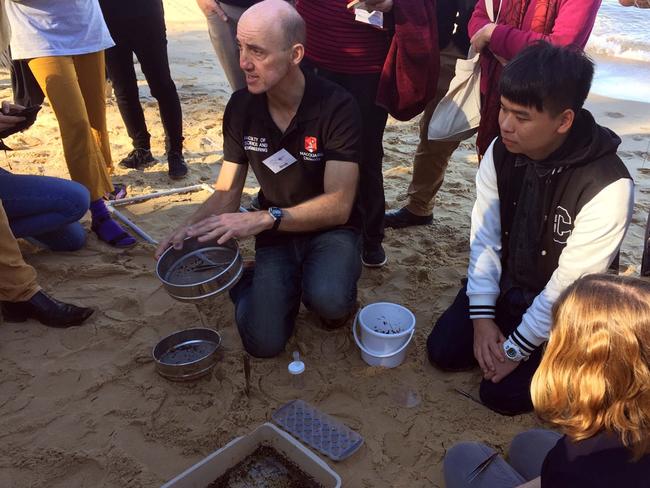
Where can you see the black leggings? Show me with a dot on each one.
(145, 37)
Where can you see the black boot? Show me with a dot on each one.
(46, 310)
(177, 165)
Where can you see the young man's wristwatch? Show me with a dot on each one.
(513, 351)
(277, 214)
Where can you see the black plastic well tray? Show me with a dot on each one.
(318, 430)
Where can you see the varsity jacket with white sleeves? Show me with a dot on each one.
(540, 225)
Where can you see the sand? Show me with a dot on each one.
(84, 407)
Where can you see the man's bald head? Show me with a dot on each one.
(279, 17)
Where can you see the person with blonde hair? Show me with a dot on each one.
(593, 383)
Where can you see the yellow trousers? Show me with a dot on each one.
(74, 86)
(17, 278)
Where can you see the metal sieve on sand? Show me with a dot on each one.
(200, 269)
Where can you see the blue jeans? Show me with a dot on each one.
(45, 209)
(463, 462)
(320, 269)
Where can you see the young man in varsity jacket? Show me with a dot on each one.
(553, 202)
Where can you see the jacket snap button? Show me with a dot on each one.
(543, 253)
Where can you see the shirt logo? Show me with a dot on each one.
(257, 144)
(311, 144)
(562, 225)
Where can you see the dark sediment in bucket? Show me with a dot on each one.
(384, 326)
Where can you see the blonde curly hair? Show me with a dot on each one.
(595, 373)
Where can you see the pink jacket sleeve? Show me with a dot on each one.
(479, 18)
(573, 24)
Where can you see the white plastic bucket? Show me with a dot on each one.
(385, 326)
(386, 331)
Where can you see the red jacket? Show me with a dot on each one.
(565, 22)
(574, 21)
(410, 74)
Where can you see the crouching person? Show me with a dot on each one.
(553, 202)
(300, 135)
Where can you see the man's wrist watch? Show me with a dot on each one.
(277, 214)
(513, 351)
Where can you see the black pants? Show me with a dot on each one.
(451, 347)
(26, 90)
(147, 38)
(372, 203)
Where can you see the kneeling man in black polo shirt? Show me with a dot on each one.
(301, 136)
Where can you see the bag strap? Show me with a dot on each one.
(489, 6)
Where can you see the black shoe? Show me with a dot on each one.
(373, 256)
(46, 310)
(177, 165)
(397, 219)
(138, 159)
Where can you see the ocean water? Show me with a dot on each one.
(621, 32)
(620, 45)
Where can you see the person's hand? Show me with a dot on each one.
(502, 369)
(228, 225)
(488, 349)
(8, 121)
(175, 239)
(212, 7)
(381, 5)
(482, 38)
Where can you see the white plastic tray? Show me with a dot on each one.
(206, 471)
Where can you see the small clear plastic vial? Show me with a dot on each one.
(296, 369)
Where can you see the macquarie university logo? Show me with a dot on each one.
(311, 144)
(562, 225)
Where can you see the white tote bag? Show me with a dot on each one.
(458, 113)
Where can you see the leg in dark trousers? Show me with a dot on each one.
(371, 179)
(450, 347)
(267, 300)
(147, 38)
(119, 64)
(363, 88)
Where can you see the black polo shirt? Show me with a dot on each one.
(327, 126)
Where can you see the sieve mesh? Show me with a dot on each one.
(200, 265)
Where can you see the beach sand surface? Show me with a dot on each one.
(84, 407)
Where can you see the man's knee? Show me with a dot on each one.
(436, 350)
(446, 351)
(504, 399)
(257, 340)
(264, 332)
(263, 350)
(329, 301)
